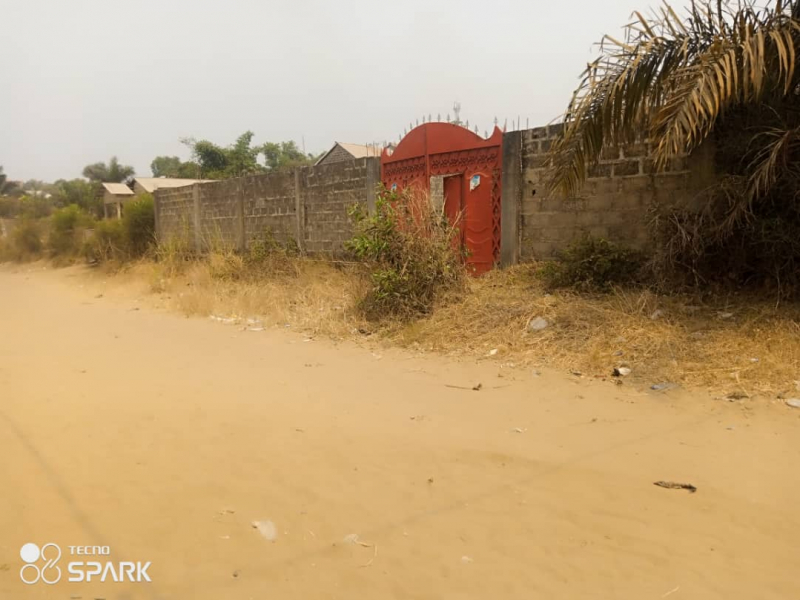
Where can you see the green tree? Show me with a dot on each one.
(285, 154)
(87, 195)
(6, 187)
(113, 172)
(242, 158)
(172, 166)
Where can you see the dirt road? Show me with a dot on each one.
(164, 438)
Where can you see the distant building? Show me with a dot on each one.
(142, 185)
(341, 152)
(114, 196)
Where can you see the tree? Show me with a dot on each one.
(6, 187)
(113, 172)
(172, 166)
(285, 154)
(242, 158)
(724, 72)
(676, 79)
(87, 195)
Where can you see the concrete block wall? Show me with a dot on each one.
(614, 202)
(307, 207)
(327, 193)
(174, 211)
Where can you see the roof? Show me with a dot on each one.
(151, 184)
(118, 189)
(355, 150)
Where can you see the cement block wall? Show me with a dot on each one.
(306, 207)
(614, 202)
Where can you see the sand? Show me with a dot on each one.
(166, 438)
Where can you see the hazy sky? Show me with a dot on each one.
(87, 79)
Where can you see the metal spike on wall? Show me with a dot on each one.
(429, 117)
(448, 117)
(505, 125)
(496, 121)
(476, 130)
(527, 125)
(423, 119)
(417, 122)
(485, 134)
(467, 124)
(438, 117)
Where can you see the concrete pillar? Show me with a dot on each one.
(119, 210)
(299, 211)
(373, 179)
(511, 198)
(241, 242)
(198, 238)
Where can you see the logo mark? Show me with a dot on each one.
(31, 573)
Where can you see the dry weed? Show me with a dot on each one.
(742, 345)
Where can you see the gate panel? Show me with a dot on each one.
(451, 151)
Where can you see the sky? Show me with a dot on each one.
(85, 80)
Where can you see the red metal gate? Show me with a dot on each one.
(471, 170)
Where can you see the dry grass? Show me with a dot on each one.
(742, 345)
(313, 296)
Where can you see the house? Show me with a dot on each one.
(341, 152)
(148, 185)
(114, 196)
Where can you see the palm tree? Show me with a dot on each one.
(726, 69)
(113, 172)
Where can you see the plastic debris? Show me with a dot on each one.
(266, 529)
(537, 324)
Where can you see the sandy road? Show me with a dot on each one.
(164, 438)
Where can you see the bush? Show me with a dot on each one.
(714, 249)
(64, 239)
(107, 242)
(24, 242)
(410, 251)
(593, 265)
(139, 223)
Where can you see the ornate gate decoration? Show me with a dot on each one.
(470, 167)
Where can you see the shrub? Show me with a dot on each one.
(593, 265)
(107, 242)
(24, 242)
(410, 251)
(139, 223)
(64, 239)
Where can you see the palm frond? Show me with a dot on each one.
(674, 78)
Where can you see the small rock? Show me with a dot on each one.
(793, 402)
(736, 396)
(657, 314)
(754, 360)
(492, 352)
(466, 559)
(537, 324)
(536, 373)
(236, 573)
(518, 430)
(618, 353)
(724, 315)
(659, 386)
(621, 371)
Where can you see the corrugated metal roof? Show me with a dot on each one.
(151, 184)
(118, 189)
